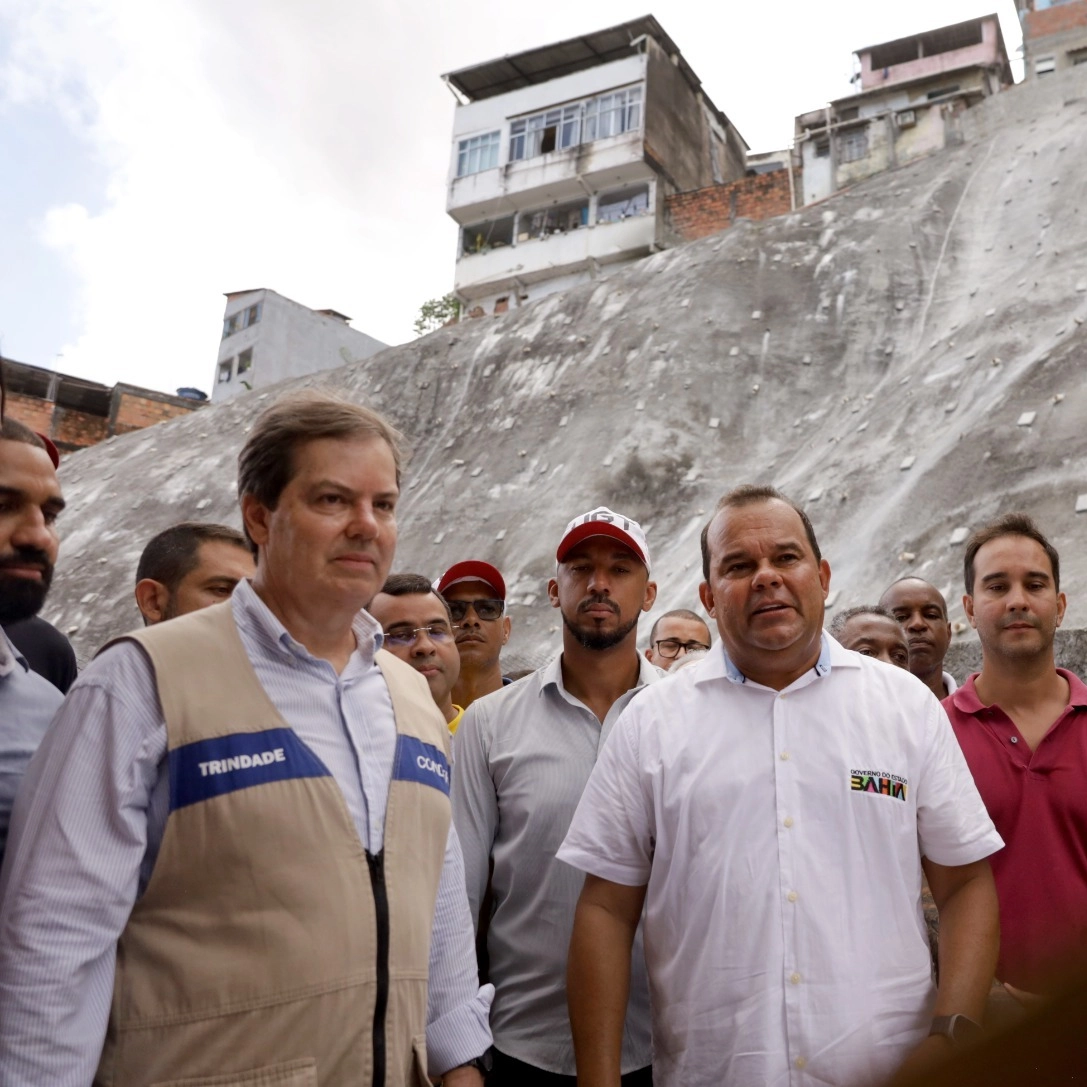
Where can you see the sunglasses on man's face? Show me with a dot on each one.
(487, 610)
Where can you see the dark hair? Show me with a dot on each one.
(413, 585)
(174, 553)
(747, 495)
(266, 461)
(679, 613)
(839, 621)
(1011, 524)
(11, 430)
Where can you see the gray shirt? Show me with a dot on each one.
(522, 758)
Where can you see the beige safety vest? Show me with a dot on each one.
(268, 948)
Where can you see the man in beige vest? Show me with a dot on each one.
(232, 861)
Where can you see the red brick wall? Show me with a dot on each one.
(136, 412)
(72, 429)
(29, 410)
(1039, 24)
(77, 428)
(707, 211)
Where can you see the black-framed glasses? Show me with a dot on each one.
(486, 609)
(409, 637)
(670, 648)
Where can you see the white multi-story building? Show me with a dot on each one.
(268, 338)
(562, 157)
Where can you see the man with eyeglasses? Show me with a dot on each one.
(476, 594)
(523, 756)
(675, 634)
(419, 631)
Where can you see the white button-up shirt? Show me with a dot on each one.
(779, 834)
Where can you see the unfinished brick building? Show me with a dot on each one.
(75, 413)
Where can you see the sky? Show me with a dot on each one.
(157, 155)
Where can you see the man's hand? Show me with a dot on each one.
(464, 1076)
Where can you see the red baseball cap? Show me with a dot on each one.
(473, 570)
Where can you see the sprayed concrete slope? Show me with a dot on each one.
(911, 320)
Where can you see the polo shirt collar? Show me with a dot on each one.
(966, 698)
(718, 665)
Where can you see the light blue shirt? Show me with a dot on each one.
(27, 705)
(90, 818)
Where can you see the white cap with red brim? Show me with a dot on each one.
(605, 522)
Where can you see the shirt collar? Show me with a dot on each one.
(551, 674)
(718, 665)
(252, 614)
(966, 698)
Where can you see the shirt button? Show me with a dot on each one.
(792, 896)
(794, 978)
(800, 1062)
(788, 821)
(785, 756)
(1014, 739)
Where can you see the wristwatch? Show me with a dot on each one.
(957, 1029)
(483, 1063)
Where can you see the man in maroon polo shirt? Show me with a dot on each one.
(1022, 725)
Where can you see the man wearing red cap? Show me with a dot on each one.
(523, 756)
(476, 594)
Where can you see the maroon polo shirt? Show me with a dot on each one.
(1038, 801)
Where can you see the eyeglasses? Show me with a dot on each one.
(670, 648)
(487, 610)
(402, 638)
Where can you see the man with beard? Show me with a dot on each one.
(1022, 725)
(30, 502)
(523, 755)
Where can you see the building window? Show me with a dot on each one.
(822, 148)
(1077, 56)
(231, 324)
(613, 114)
(564, 127)
(478, 153)
(554, 130)
(483, 237)
(853, 145)
(252, 315)
(1045, 65)
(226, 371)
(554, 220)
(622, 204)
(942, 92)
(245, 360)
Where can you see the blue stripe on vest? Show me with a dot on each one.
(209, 768)
(421, 762)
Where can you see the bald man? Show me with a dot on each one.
(921, 610)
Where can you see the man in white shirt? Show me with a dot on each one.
(772, 808)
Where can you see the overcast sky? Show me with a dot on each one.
(157, 154)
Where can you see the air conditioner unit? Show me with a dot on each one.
(906, 119)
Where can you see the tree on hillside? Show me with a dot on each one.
(435, 313)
